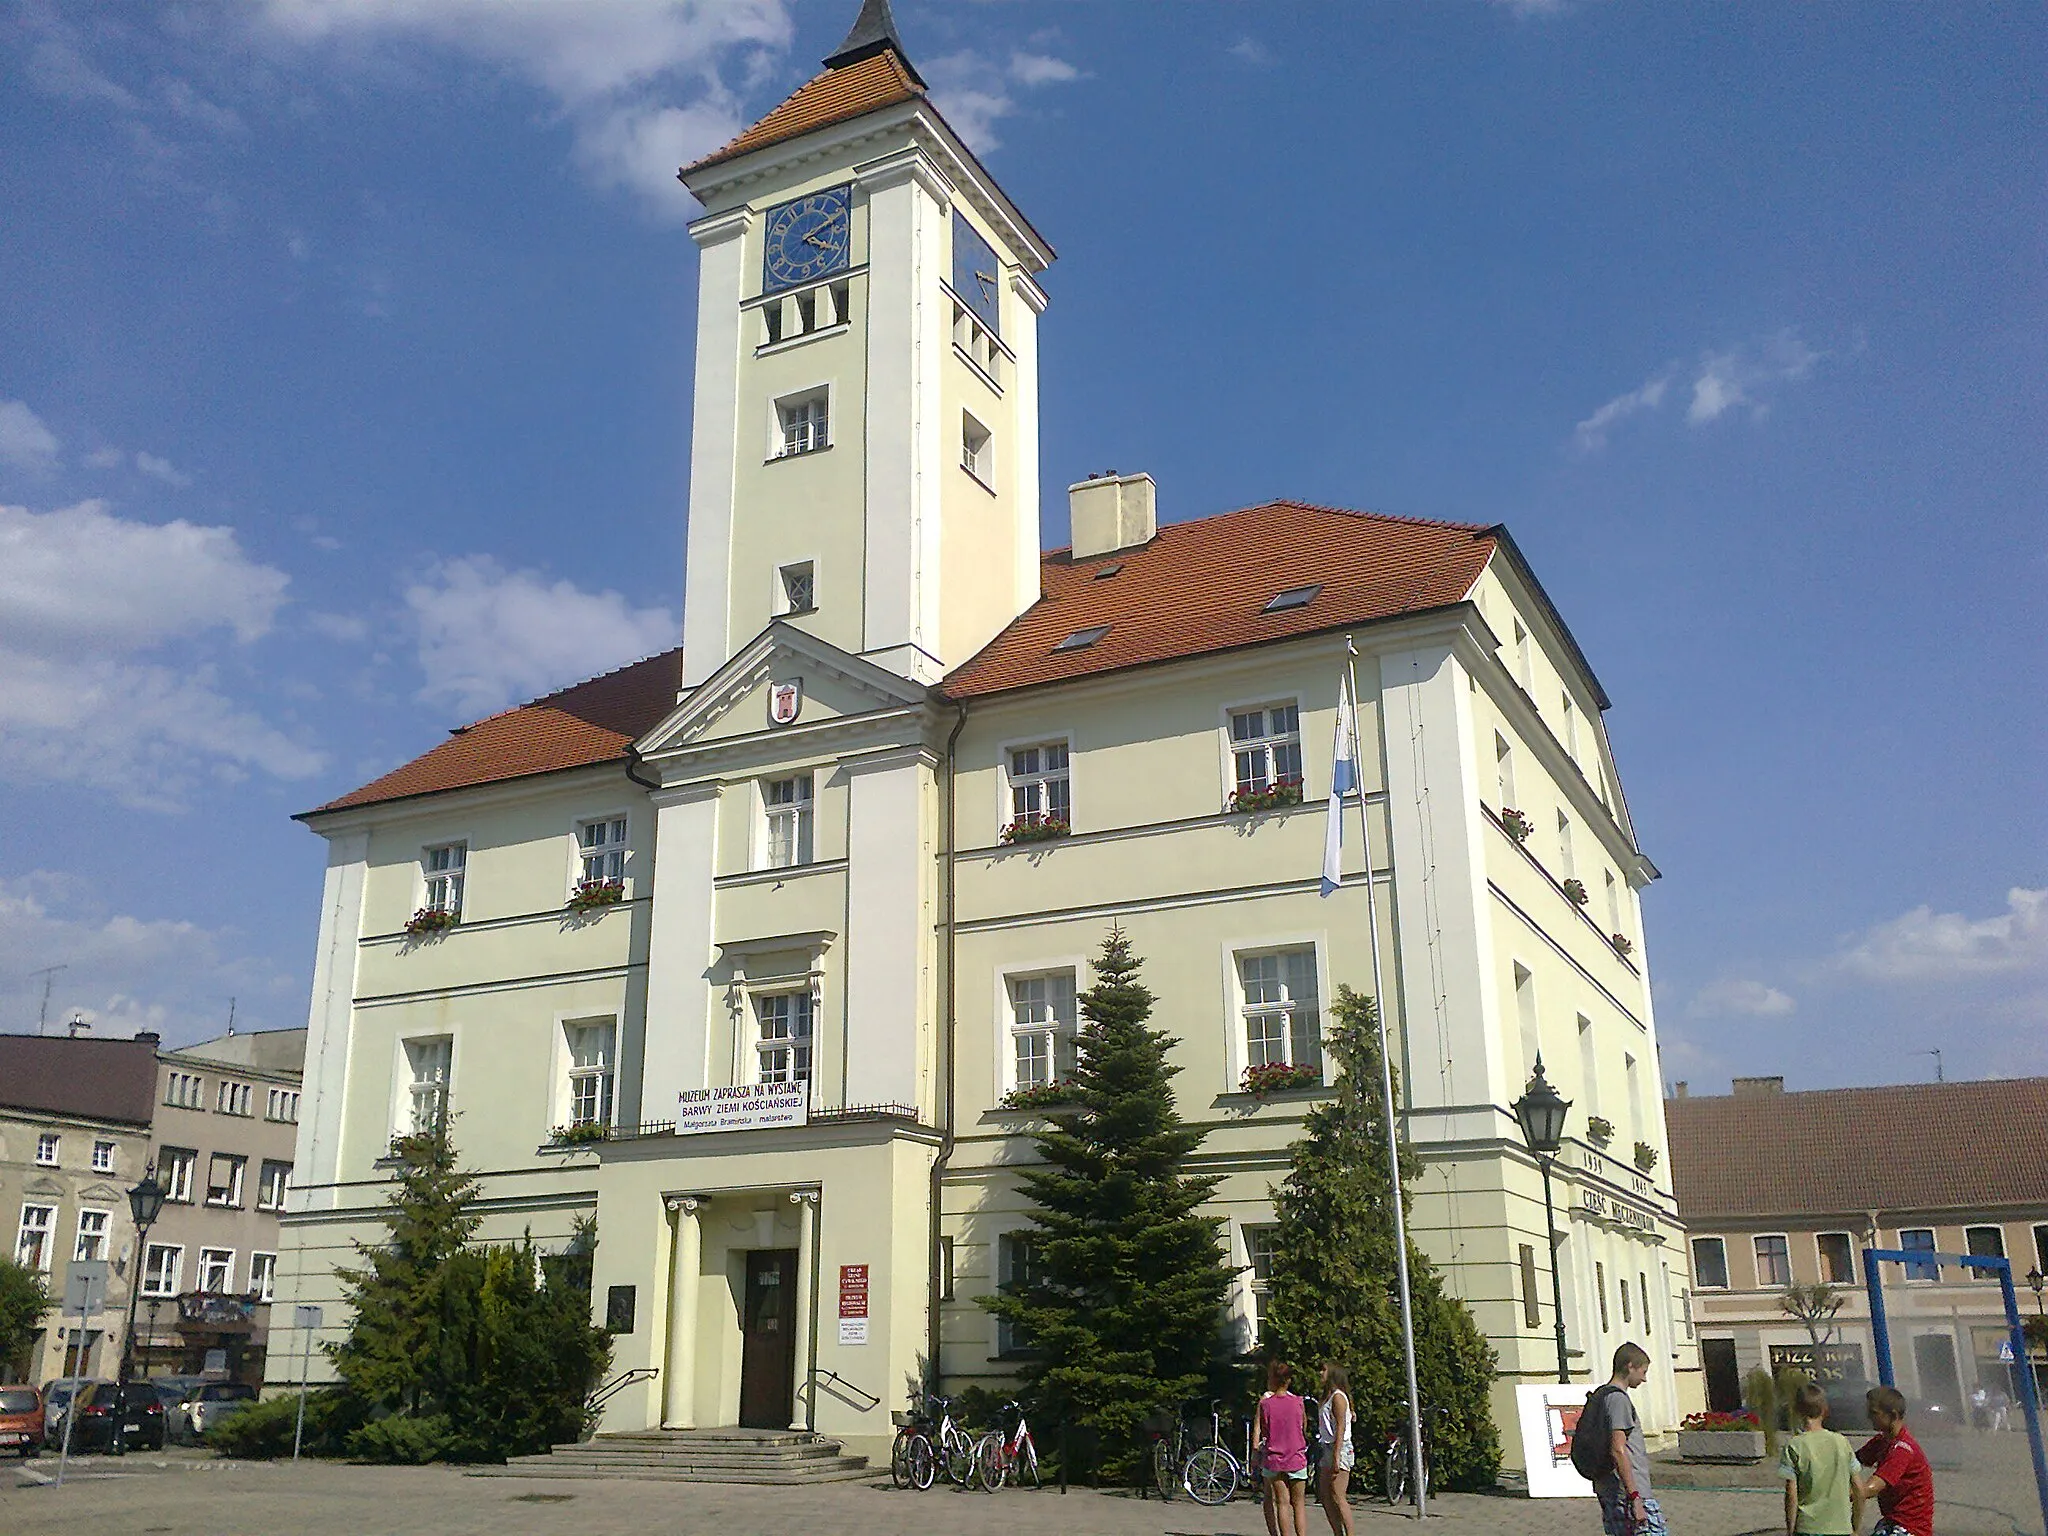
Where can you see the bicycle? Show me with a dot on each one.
(1209, 1474)
(1396, 1471)
(912, 1463)
(999, 1456)
(953, 1447)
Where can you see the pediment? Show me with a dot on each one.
(734, 702)
(99, 1194)
(42, 1184)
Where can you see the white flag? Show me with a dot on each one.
(1343, 781)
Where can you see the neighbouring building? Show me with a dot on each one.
(1785, 1189)
(796, 917)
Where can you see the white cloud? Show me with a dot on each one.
(1735, 379)
(1742, 997)
(489, 637)
(1533, 7)
(1928, 946)
(106, 458)
(1035, 69)
(24, 441)
(974, 92)
(339, 626)
(1251, 50)
(161, 469)
(1591, 434)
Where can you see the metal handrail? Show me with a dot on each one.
(838, 1380)
(618, 1384)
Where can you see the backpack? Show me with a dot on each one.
(1592, 1449)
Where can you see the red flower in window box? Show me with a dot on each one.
(1281, 792)
(430, 920)
(592, 894)
(1037, 829)
(1278, 1077)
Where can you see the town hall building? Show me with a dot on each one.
(760, 952)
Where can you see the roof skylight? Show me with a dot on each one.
(1104, 572)
(1081, 639)
(1293, 597)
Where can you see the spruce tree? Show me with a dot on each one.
(1335, 1284)
(1123, 1301)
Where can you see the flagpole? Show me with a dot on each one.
(1379, 1008)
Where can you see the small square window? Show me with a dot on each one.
(1293, 597)
(1081, 639)
(47, 1146)
(799, 588)
(803, 424)
(103, 1157)
(977, 454)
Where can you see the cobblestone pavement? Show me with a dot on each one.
(182, 1493)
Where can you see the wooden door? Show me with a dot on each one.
(769, 1318)
(1724, 1381)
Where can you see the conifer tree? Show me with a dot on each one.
(1122, 1304)
(1334, 1291)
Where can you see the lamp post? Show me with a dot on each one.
(1540, 1113)
(2035, 1281)
(145, 1204)
(154, 1303)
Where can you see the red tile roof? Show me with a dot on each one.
(1202, 586)
(591, 723)
(836, 96)
(1920, 1147)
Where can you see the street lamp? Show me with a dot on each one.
(1540, 1113)
(2036, 1280)
(145, 1204)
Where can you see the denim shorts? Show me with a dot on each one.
(1616, 1519)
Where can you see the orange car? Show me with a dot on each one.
(21, 1420)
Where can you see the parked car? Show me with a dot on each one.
(57, 1397)
(112, 1417)
(214, 1401)
(174, 1390)
(21, 1420)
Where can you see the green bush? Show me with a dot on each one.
(263, 1430)
(407, 1441)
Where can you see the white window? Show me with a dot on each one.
(1773, 1261)
(1504, 771)
(787, 803)
(590, 1073)
(93, 1227)
(162, 1269)
(1836, 1252)
(236, 1098)
(224, 1173)
(263, 1275)
(175, 1167)
(977, 453)
(1265, 747)
(1567, 861)
(1710, 1263)
(1282, 1023)
(601, 850)
(784, 1046)
(428, 1061)
(1040, 788)
(32, 1243)
(1042, 1023)
(216, 1270)
(271, 1185)
(185, 1090)
(282, 1104)
(1919, 1240)
(103, 1157)
(799, 587)
(443, 865)
(802, 423)
(1258, 1254)
(47, 1146)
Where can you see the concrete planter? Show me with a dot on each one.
(1729, 1445)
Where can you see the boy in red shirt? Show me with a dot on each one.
(1899, 1475)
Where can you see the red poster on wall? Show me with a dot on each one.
(853, 1303)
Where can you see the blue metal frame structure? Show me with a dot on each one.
(2023, 1376)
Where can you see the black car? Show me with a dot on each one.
(112, 1417)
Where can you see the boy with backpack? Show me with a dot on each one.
(1608, 1450)
(1823, 1493)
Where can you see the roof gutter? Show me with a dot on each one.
(935, 1286)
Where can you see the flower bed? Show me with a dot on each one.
(1727, 1437)
(590, 895)
(1517, 826)
(430, 920)
(1280, 792)
(1278, 1077)
(1036, 829)
(1039, 1096)
(581, 1134)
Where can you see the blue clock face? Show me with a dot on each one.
(806, 239)
(976, 273)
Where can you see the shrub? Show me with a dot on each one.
(409, 1442)
(263, 1430)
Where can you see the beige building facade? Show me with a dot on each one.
(798, 918)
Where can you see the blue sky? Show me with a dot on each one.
(344, 395)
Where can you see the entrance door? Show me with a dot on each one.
(1724, 1381)
(1934, 1362)
(768, 1323)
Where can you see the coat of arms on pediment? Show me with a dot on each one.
(785, 702)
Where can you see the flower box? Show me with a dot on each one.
(1036, 829)
(1278, 1077)
(1600, 1128)
(1516, 825)
(1646, 1156)
(430, 920)
(1039, 1096)
(1622, 946)
(1281, 792)
(1576, 891)
(592, 895)
(582, 1134)
(1726, 1437)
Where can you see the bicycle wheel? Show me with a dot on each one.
(1026, 1468)
(1210, 1476)
(991, 1461)
(924, 1465)
(1164, 1473)
(899, 1459)
(958, 1461)
(1396, 1483)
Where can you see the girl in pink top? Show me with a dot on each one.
(1280, 1442)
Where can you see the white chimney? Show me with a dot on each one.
(1111, 512)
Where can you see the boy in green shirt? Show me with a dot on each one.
(1823, 1494)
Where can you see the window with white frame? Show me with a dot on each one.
(185, 1090)
(103, 1157)
(1919, 1240)
(782, 1044)
(977, 453)
(1258, 1256)
(93, 1229)
(224, 1173)
(1773, 1261)
(1017, 1266)
(271, 1185)
(162, 1269)
(601, 850)
(216, 1270)
(1984, 1243)
(32, 1241)
(175, 1167)
(1041, 789)
(787, 805)
(444, 865)
(1265, 747)
(48, 1147)
(236, 1098)
(590, 1072)
(802, 423)
(1710, 1263)
(1042, 1027)
(263, 1275)
(282, 1104)
(799, 587)
(1283, 1023)
(428, 1062)
(1836, 1253)
(1504, 772)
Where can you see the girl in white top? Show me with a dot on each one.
(1333, 1433)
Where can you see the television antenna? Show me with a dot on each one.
(49, 975)
(1936, 1054)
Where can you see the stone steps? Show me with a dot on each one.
(757, 1456)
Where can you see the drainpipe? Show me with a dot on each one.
(950, 910)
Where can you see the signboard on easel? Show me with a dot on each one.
(1547, 1416)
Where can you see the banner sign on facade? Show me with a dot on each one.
(1825, 1363)
(853, 1303)
(744, 1107)
(1547, 1416)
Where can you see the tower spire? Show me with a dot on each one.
(874, 31)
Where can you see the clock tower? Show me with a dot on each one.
(864, 454)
